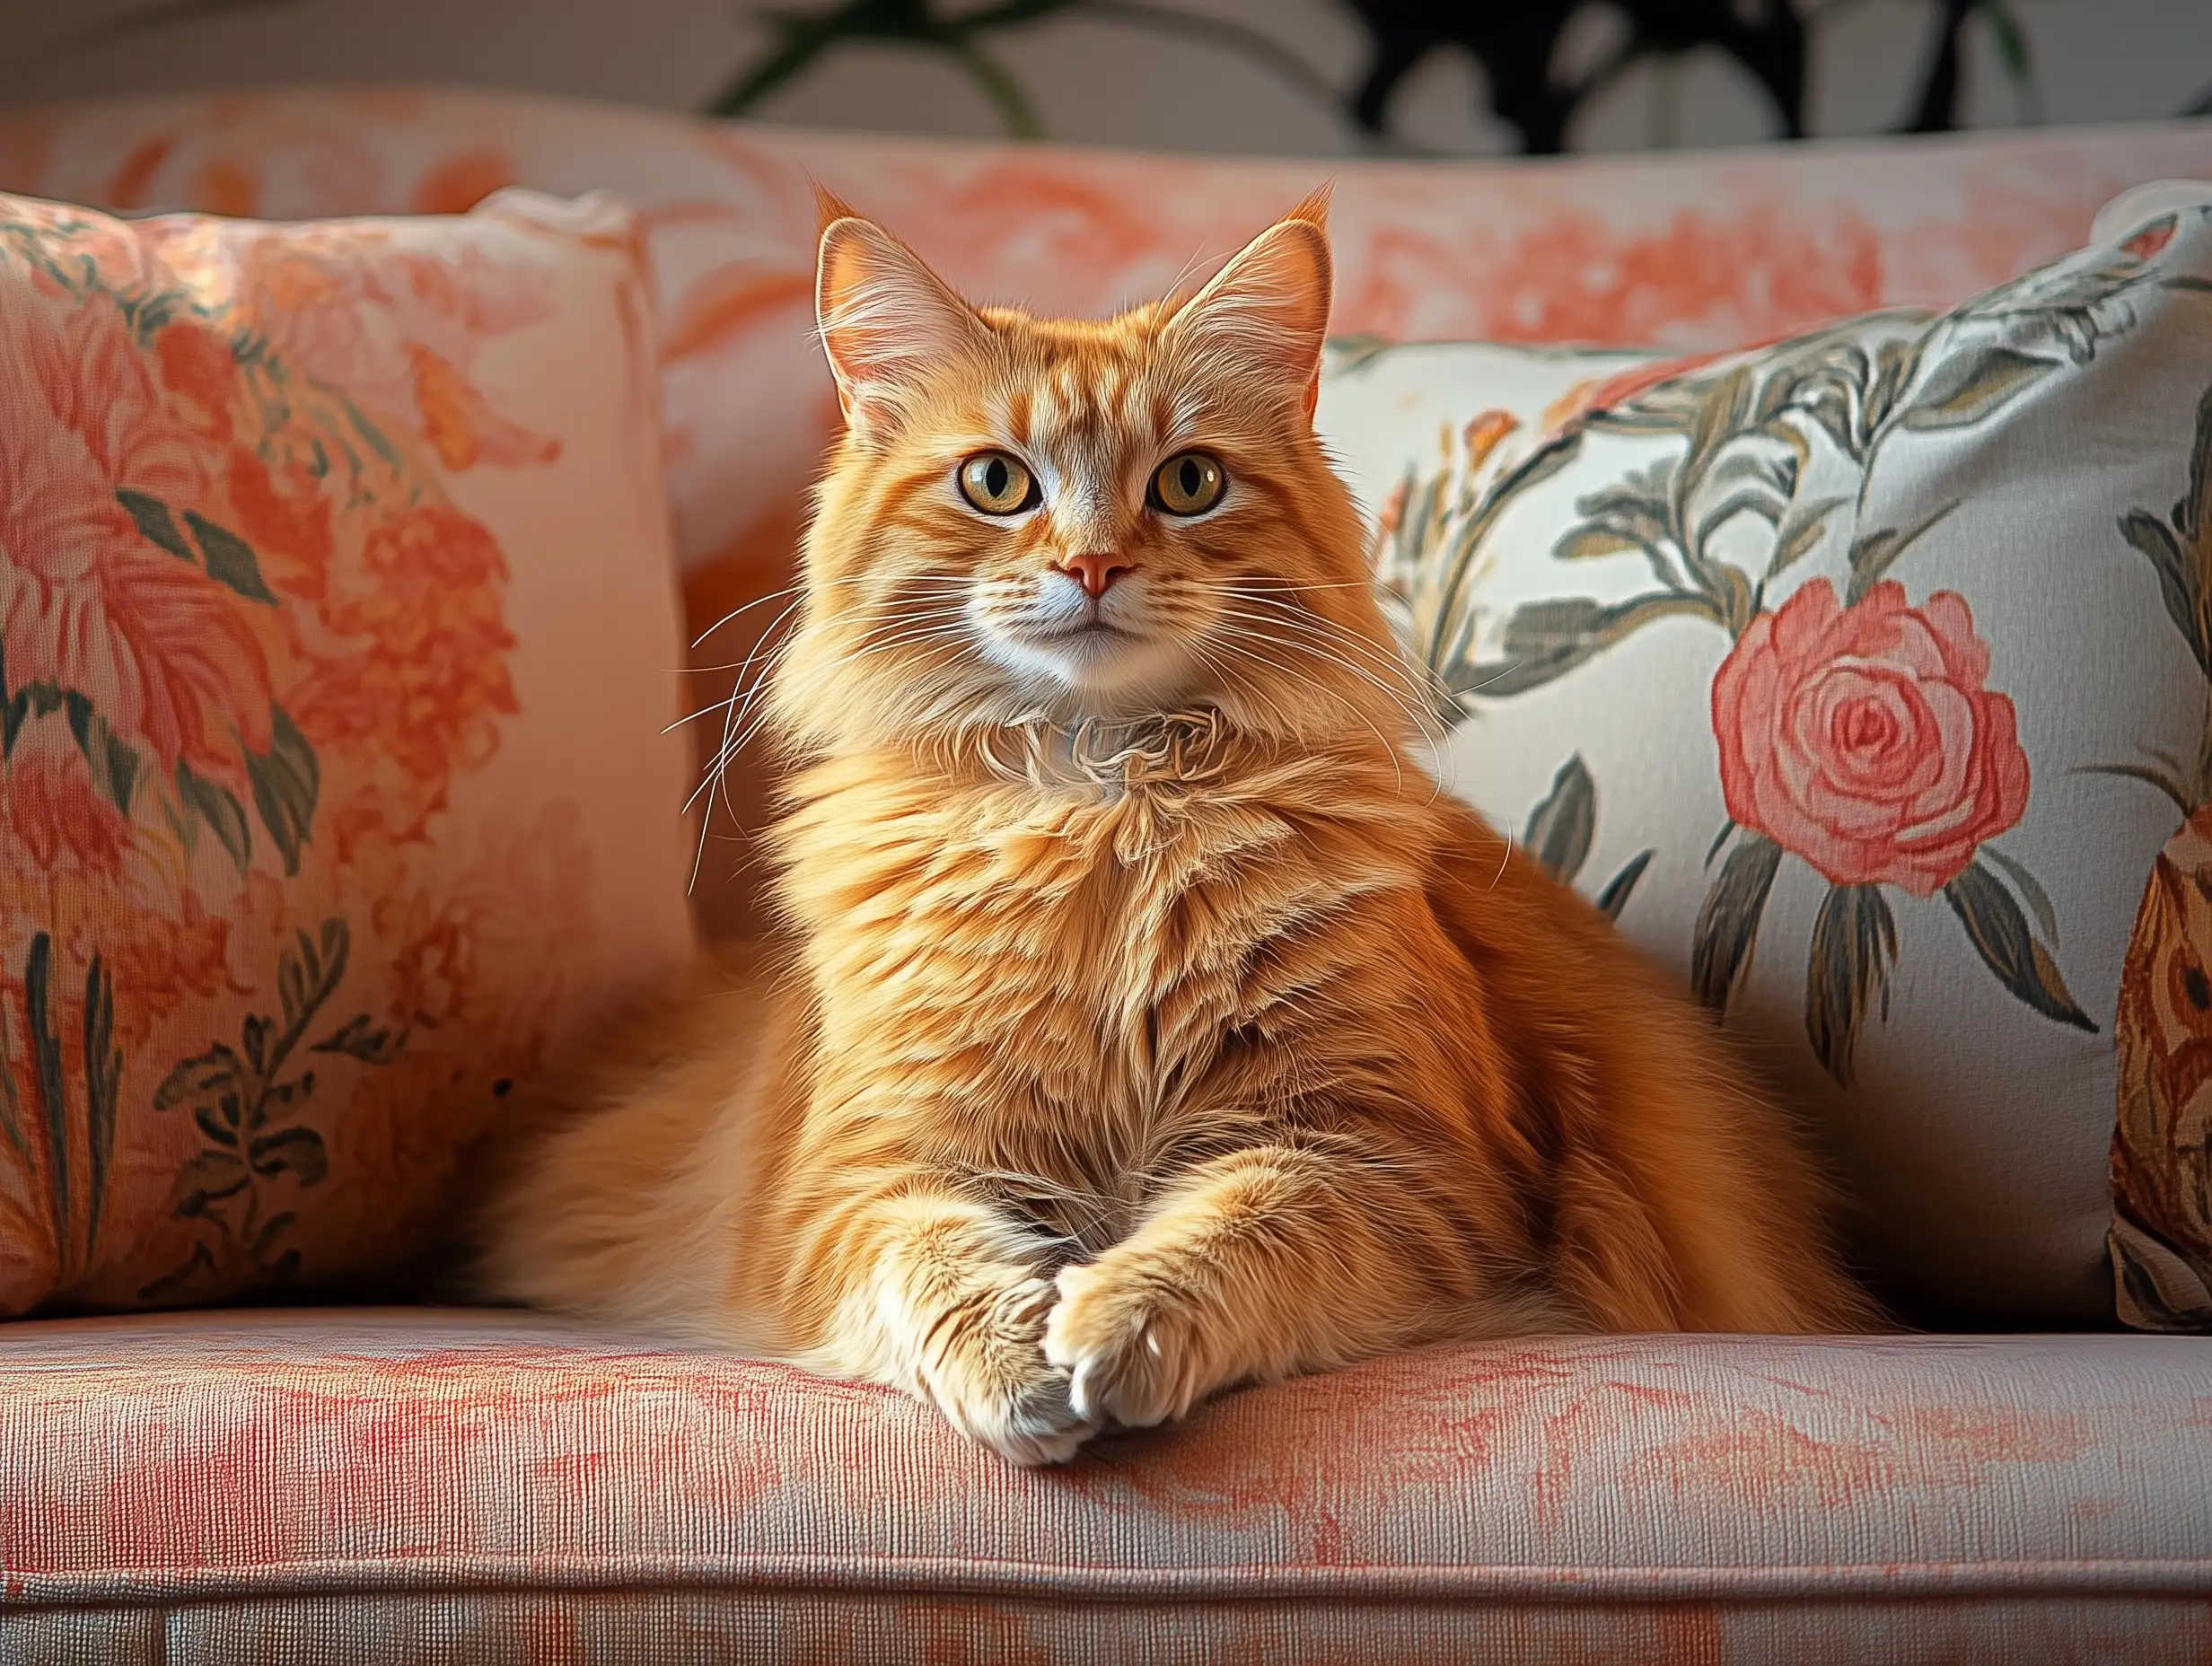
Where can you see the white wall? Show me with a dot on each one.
(1097, 80)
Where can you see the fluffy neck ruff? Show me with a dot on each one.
(1164, 750)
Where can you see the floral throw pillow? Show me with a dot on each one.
(1864, 677)
(336, 615)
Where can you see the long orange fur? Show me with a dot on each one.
(1146, 1021)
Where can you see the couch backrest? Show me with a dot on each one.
(1682, 250)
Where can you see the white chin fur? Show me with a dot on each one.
(1101, 665)
(1114, 665)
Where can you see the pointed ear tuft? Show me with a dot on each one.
(1313, 207)
(885, 318)
(829, 207)
(1264, 317)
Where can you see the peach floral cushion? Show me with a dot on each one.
(1863, 678)
(335, 621)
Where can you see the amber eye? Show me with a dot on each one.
(998, 484)
(1189, 483)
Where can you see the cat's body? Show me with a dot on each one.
(1149, 1022)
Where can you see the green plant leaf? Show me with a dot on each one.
(199, 1079)
(1800, 533)
(2179, 580)
(253, 1036)
(1875, 553)
(292, 982)
(1847, 970)
(180, 1278)
(286, 780)
(2000, 932)
(11, 1107)
(15, 709)
(230, 559)
(113, 765)
(1589, 542)
(1743, 466)
(1723, 413)
(2029, 888)
(47, 1068)
(1970, 384)
(2150, 775)
(33, 699)
(156, 522)
(2012, 40)
(1753, 499)
(2192, 514)
(1890, 372)
(103, 1079)
(1614, 897)
(1001, 88)
(216, 806)
(209, 1176)
(1728, 923)
(1449, 617)
(299, 1149)
(1559, 830)
(1727, 827)
(1829, 407)
(360, 1039)
(1545, 640)
(264, 1240)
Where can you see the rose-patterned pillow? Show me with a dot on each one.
(335, 621)
(1863, 678)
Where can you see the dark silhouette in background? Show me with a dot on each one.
(1518, 43)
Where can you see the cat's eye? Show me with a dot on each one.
(998, 484)
(1189, 483)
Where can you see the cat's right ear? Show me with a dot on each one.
(885, 319)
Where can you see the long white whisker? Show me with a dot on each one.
(1292, 619)
(1421, 721)
(758, 602)
(1397, 660)
(1349, 705)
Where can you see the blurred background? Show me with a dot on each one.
(1301, 77)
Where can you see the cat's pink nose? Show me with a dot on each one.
(1095, 573)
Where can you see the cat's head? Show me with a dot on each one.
(1080, 520)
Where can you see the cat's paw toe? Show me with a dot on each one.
(1042, 1426)
(1132, 1360)
(994, 1385)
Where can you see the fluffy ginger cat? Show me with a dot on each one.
(1149, 1024)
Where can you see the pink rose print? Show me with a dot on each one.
(1863, 740)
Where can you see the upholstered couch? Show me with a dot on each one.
(424, 1484)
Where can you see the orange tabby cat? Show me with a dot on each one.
(1151, 1023)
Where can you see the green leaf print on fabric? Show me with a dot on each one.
(246, 1109)
(1561, 829)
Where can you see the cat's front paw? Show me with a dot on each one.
(1135, 1355)
(991, 1380)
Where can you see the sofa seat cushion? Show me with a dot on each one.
(435, 1485)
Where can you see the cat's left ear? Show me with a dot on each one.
(886, 320)
(1264, 315)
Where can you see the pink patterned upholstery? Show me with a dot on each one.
(458, 1486)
